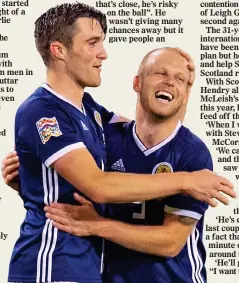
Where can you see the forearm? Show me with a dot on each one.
(166, 240)
(108, 187)
(79, 168)
(125, 187)
(157, 240)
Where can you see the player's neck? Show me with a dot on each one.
(65, 86)
(152, 132)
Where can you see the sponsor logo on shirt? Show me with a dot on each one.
(84, 126)
(118, 165)
(47, 128)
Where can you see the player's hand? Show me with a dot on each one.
(79, 220)
(191, 66)
(207, 186)
(10, 166)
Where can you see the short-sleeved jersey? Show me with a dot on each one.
(47, 126)
(181, 151)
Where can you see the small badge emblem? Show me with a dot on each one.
(98, 118)
(162, 167)
(47, 128)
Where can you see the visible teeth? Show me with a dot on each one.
(167, 94)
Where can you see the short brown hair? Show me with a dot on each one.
(57, 24)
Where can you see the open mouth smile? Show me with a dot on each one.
(164, 96)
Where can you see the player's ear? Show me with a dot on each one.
(58, 50)
(137, 84)
(185, 102)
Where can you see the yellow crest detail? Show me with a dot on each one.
(163, 167)
(98, 118)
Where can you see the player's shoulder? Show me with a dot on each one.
(191, 142)
(38, 99)
(89, 101)
(119, 128)
(88, 98)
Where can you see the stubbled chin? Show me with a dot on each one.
(95, 84)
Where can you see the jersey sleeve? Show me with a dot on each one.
(185, 205)
(46, 131)
(106, 115)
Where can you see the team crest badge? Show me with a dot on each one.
(162, 167)
(98, 118)
(47, 128)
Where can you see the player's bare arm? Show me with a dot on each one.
(203, 185)
(166, 240)
(109, 187)
(10, 166)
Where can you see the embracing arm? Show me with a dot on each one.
(10, 173)
(166, 240)
(107, 187)
(79, 168)
(121, 187)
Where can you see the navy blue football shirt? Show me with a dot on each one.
(47, 126)
(181, 151)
